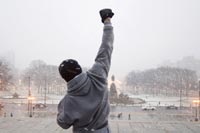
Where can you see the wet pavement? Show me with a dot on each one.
(122, 119)
(48, 125)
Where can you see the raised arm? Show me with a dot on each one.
(102, 63)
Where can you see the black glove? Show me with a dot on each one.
(105, 13)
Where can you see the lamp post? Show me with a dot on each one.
(180, 98)
(1, 81)
(180, 86)
(45, 92)
(29, 86)
(29, 98)
(196, 102)
(199, 99)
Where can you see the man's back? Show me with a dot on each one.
(86, 106)
(88, 102)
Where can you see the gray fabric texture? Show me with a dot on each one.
(86, 104)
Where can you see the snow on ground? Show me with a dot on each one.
(150, 99)
(163, 100)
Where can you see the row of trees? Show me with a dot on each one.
(188, 62)
(163, 79)
(43, 76)
(39, 76)
(5, 74)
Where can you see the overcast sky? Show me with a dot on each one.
(147, 32)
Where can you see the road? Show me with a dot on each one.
(132, 120)
(48, 125)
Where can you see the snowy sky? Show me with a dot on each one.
(147, 32)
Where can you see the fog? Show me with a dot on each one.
(147, 32)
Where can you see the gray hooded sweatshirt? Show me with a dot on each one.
(86, 105)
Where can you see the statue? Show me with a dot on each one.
(113, 88)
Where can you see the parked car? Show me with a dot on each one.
(171, 107)
(39, 106)
(148, 107)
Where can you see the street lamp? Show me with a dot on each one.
(196, 102)
(29, 86)
(180, 81)
(1, 74)
(30, 100)
(45, 91)
(199, 99)
(29, 97)
(0, 83)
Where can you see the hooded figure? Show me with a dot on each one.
(86, 104)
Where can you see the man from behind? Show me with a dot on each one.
(86, 104)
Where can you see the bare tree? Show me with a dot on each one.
(163, 79)
(5, 75)
(44, 77)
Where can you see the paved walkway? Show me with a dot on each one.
(48, 125)
(158, 121)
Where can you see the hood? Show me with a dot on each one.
(76, 86)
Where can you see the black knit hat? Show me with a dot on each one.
(69, 69)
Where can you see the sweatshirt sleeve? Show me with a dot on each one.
(63, 119)
(102, 63)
